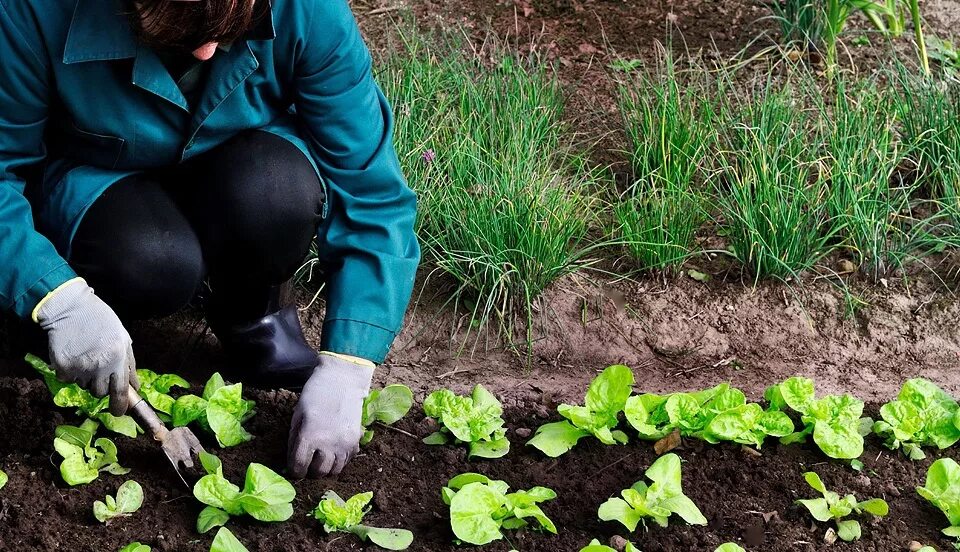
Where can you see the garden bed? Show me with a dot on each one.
(746, 498)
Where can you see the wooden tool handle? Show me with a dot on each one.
(145, 414)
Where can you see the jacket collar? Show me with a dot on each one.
(100, 30)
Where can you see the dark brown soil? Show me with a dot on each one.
(747, 499)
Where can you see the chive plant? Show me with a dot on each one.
(800, 21)
(669, 129)
(774, 209)
(504, 204)
(929, 117)
(868, 198)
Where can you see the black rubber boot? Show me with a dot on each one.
(269, 352)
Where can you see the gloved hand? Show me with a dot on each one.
(88, 344)
(326, 428)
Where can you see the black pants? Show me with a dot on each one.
(241, 216)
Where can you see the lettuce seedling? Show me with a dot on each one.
(942, 489)
(480, 507)
(155, 388)
(832, 506)
(599, 416)
(220, 411)
(128, 500)
(834, 420)
(3, 479)
(135, 547)
(266, 496)
(922, 415)
(83, 462)
(475, 420)
(729, 547)
(717, 414)
(595, 546)
(658, 500)
(387, 406)
(71, 395)
(226, 542)
(338, 515)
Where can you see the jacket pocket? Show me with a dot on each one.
(82, 147)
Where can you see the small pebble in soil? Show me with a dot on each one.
(891, 490)
(618, 543)
(381, 501)
(523, 432)
(914, 546)
(863, 481)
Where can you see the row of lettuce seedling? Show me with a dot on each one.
(922, 415)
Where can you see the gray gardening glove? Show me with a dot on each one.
(326, 428)
(88, 344)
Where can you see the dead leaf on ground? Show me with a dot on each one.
(668, 443)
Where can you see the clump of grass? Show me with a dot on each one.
(669, 129)
(773, 207)
(868, 199)
(928, 112)
(800, 21)
(503, 201)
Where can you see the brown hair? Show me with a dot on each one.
(187, 25)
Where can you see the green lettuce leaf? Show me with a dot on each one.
(3, 479)
(606, 397)
(831, 506)
(481, 507)
(266, 496)
(135, 547)
(220, 411)
(475, 420)
(155, 388)
(834, 420)
(595, 546)
(128, 500)
(340, 515)
(211, 517)
(346, 516)
(730, 547)
(656, 501)
(922, 415)
(71, 395)
(83, 461)
(391, 539)
(387, 406)
(942, 489)
(473, 512)
(224, 541)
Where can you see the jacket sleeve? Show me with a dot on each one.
(367, 245)
(30, 266)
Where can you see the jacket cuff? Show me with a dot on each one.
(25, 304)
(355, 338)
(351, 359)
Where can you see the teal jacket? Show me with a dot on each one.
(83, 105)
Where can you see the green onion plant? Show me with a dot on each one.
(869, 199)
(504, 200)
(669, 127)
(771, 203)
